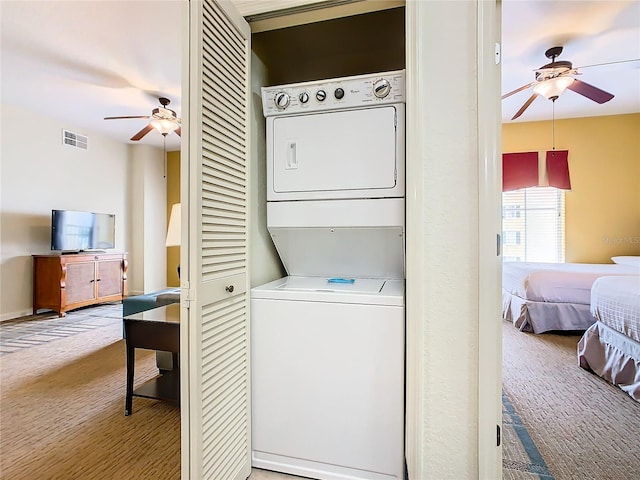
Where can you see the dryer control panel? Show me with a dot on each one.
(338, 93)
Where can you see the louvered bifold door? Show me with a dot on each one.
(219, 376)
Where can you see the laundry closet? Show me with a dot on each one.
(327, 339)
(357, 44)
(235, 252)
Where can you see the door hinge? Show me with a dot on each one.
(498, 437)
(498, 245)
(187, 295)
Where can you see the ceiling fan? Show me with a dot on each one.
(554, 78)
(163, 119)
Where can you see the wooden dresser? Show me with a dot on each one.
(65, 282)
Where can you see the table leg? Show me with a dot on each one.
(131, 360)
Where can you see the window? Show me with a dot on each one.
(511, 237)
(511, 211)
(533, 225)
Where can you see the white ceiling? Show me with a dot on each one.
(592, 33)
(81, 61)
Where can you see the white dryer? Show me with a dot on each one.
(327, 349)
(341, 138)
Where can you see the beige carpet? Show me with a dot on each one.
(583, 427)
(62, 409)
(62, 413)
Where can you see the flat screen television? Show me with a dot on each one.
(74, 231)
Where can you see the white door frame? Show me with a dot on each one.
(430, 437)
(489, 340)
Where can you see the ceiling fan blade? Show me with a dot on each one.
(524, 87)
(525, 106)
(589, 91)
(178, 131)
(120, 118)
(617, 65)
(142, 132)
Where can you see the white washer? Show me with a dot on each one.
(328, 378)
(327, 342)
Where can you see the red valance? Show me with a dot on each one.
(519, 170)
(558, 169)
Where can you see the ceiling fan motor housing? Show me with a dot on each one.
(553, 52)
(164, 114)
(553, 69)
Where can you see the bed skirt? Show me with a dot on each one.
(612, 356)
(540, 317)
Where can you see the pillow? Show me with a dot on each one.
(628, 260)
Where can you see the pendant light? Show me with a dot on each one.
(554, 87)
(553, 125)
(164, 153)
(164, 125)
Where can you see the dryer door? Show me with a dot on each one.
(339, 154)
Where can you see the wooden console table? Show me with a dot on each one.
(156, 329)
(65, 282)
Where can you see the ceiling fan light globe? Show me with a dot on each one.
(164, 126)
(554, 87)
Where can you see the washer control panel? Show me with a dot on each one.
(338, 93)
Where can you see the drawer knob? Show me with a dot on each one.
(229, 288)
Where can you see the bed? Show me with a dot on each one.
(611, 346)
(541, 297)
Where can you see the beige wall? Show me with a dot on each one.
(603, 206)
(173, 196)
(263, 258)
(38, 173)
(147, 226)
(443, 243)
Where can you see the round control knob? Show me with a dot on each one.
(381, 88)
(339, 93)
(281, 100)
(303, 97)
(321, 95)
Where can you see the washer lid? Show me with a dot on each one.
(333, 284)
(361, 238)
(365, 291)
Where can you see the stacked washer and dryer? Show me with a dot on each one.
(327, 341)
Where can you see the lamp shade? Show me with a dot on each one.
(554, 87)
(173, 232)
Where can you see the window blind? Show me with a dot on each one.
(533, 225)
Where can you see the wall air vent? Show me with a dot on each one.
(75, 140)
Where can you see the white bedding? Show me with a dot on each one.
(611, 346)
(557, 282)
(615, 301)
(540, 297)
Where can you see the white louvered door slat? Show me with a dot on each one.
(219, 408)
